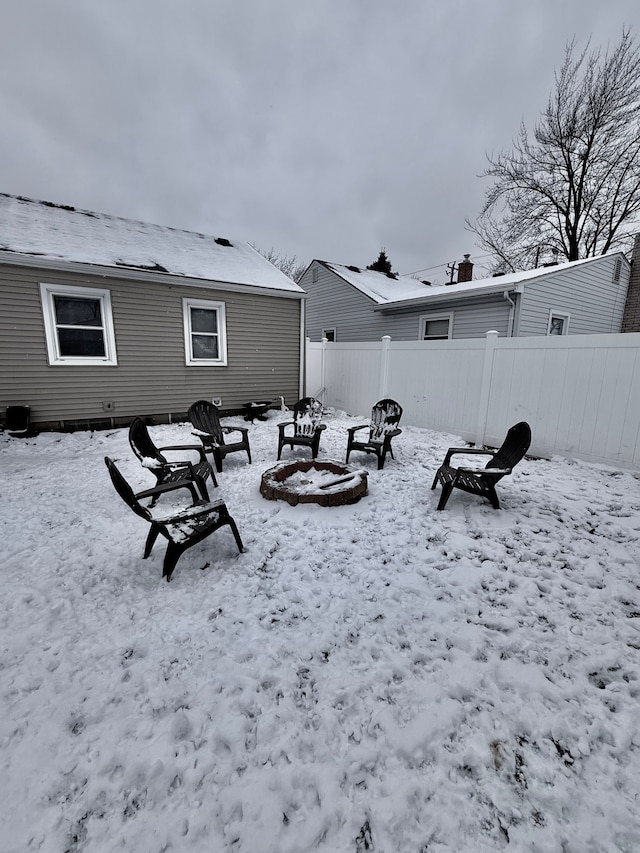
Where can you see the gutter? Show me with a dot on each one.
(512, 312)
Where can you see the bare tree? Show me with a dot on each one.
(288, 264)
(573, 188)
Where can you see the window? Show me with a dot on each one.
(205, 338)
(329, 334)
(558, 324)
(78, 325)
(436, 327)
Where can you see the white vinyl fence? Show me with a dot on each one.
(579, 393)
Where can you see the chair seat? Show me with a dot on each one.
(193, 520)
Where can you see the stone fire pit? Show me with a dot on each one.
(305, 482)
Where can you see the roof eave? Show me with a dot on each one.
(436, 298)
(123, 272)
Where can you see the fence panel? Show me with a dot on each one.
(580, 393)
(437, 383)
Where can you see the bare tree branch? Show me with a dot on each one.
(573, 184)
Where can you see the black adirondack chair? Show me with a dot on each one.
(181, 529)
(205, 419)
(383, 427)
(306, 427)
(483, 481)
(165, 471)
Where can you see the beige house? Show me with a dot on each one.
(103, 319)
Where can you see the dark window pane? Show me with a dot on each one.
(82, 342)
(436, 329)
(204, 320)
(74, 311)
(205, 346)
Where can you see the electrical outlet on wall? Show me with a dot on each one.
(217, 401)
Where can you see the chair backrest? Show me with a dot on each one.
(142, 444)
(124, 490)
(513, 447)
(204, 417)
(307, 414)
(385, 417)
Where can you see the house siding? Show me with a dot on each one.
(594, 301)
(334, 303)
(151, 378)
(470, 320)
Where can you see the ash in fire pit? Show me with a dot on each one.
(323, 483)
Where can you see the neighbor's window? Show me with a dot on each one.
(205, 336)
(78, 325)
(329, 334)
(436, 327)
(558, 324)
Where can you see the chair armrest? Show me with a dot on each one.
(471, 451)
(354, 429)
(197, 448)
(243, 430)
(165, 487)
(483, 472)
(284, 424)
(321, 426)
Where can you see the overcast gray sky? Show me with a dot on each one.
(322, 128)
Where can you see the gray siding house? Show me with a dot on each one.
(103, 319)
(345, 303)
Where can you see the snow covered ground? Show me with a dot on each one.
(375, 677)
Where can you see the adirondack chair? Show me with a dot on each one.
(181, 529)
(483, 481)
(165, 471)
(306, 427)
(383, 427)
(205, 419)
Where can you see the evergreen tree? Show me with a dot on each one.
(382, 264)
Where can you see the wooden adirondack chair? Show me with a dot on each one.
(205, 419)
(306, 427)
(165, 471)
(181, 529)
(385, 417)
(483, 481)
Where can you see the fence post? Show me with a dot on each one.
(323, 369)
(384, 366)
(485, 386)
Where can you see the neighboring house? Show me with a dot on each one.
(103, 319)
(345, 303)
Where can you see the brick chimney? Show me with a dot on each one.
(631, 316)
(465, 270)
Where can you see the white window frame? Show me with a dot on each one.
(56, 359)
(560, 315)
(330, 329)
(219, 308)
(428, 318)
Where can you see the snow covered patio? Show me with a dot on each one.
(369, 677)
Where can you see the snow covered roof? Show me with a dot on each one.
(377, 285)
(42, 231)
(390, 292)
